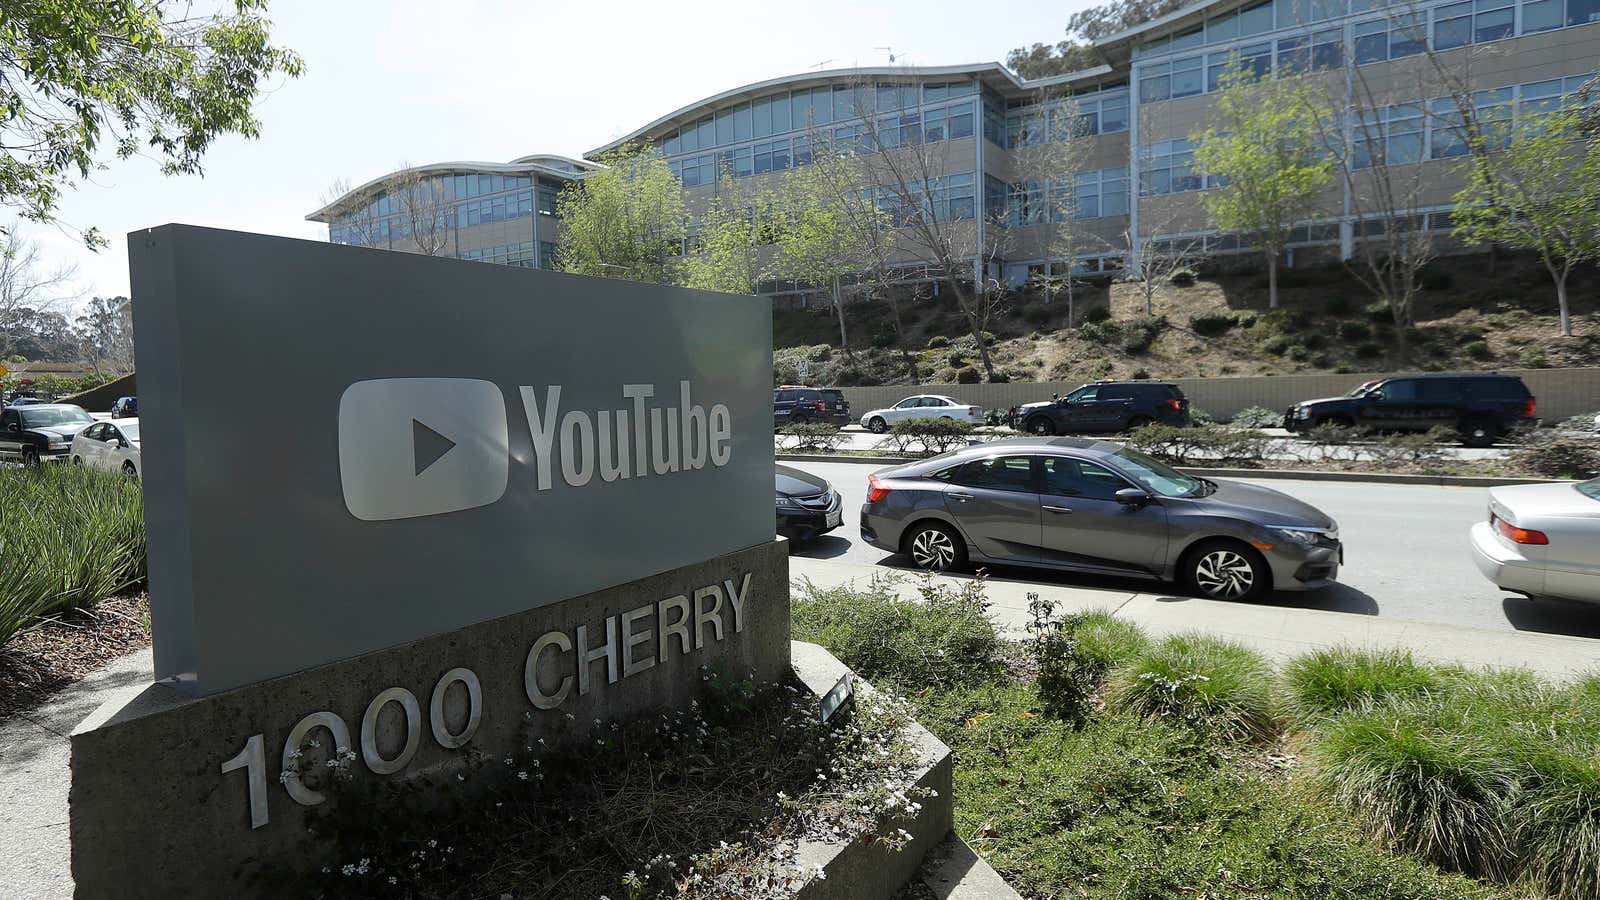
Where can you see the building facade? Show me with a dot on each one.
(1399, 71)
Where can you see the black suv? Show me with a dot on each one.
(793, 405)
(1105, 406)
(1479, 407)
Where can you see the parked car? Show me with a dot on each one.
(40, 432)
(808, 506)
(793, 405)
(1105, 406)
(1082, 505)
(922, 406)
(125, 408)
(113, 446)
(1542, 540)
(1480, 408)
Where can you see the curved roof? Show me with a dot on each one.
(998, 75)
(539, 164)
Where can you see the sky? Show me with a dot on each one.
(410, 81)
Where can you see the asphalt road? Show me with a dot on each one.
(1406, 556)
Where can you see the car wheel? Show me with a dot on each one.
(1041, 425)
(129, 470)
(30, 456)
(1227, 570)
(877, 425)
(1138, 422)
(936, 547)
(1478, 432)
(77, 460)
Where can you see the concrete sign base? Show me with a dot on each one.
(175, 796)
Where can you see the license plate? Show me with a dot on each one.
(835, 518)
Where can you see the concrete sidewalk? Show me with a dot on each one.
(35, 850)
(1280, 631)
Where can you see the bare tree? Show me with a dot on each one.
(1157, 256)
(910, 179)
(425, 208)
(28, 287)
(357, 217)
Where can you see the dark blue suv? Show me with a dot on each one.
(1480, 408)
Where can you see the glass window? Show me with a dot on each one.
(1003, 473)
(909, 403)
(706, 134)
(742, 121)
(1255, 19)
(780, 114)
(1294, 55)
(1223, 27)
(1402, 391)
(1065, 477)
(1113, 115)
(1372, 42)
(822, 105)
(1192, 38)
(725, 127)
(1327, 50)
(1452, 26)
(1155, 88)
(1582, 12)
(780, 155)
(1408, 35)
(1187, 77)
(1493, 25)
(763, 117)
(1541, 15)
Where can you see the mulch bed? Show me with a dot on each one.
(43, 659)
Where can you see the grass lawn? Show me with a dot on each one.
(1093, 761)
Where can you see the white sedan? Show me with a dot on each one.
(112, 445)
(924, 406)
(1542, 540)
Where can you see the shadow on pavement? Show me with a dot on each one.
(1341, 598)
(826, 547)
(1565, 617)
(1045, 577)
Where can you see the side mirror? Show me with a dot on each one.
(1133, 497)
(1375, 395)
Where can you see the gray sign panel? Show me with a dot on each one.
(349, 449)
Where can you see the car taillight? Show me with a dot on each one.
(1533, 408)
(1175, 403)
(821, 406)
(875, 489)
(1518, 535)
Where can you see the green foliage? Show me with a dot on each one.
(1478, 350)
(69, 537)
(1101, 332)
(1533, 358)
(1182, 277)
(938, 341)
(1556, 455)
(1278, 345)
(1138, 334)
(827, 232)
(968, 375)
(1213, 324)
(1202, 681)
(927, 435)
(1354, 331)
(939, 636)
(1337, 306)
(814, 436)
(155, 77)
(1096, 314)
(1368, 350)
(1264, 145)
(726, 258)
(1200, 444)
(1327, 683)
(1256, 417)
(625, 220)
(1378, 313)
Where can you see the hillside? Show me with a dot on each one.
(1469, 317)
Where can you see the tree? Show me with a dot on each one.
(830, 230)
(1157, 259)
(426, 210)
(148, 74)
(625, 220)
(1539, 194)
(28, 290)
(357, 217)
(1267, 161)
(106, 333)
(726, 255)
(1045, 60)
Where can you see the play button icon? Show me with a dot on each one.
(413, 447)
(427, 445)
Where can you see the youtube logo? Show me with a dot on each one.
(412, 447)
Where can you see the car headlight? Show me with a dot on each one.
(787, 502)
(60, 445)
(1306, 536)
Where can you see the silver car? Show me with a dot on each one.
(1542, 540)
(1099, 507)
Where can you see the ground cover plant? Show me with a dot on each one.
(1095, 761)
(708, 802)
(69, 537)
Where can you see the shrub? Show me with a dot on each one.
(1432, 791)
(1314, 341)
(1557, 456)
(1140, 374)
(1368, 350)
(1140, 333)
(1477, 350)
(1184, 277)
(1217, 685)
(1277, 345)
(1106, 639)
(1257, 417)
(1580, 422)
(1354, 331)
(1201, 417)
(884, 339)
(1329, 682)
(1378, 313)
(1038, 315)
(1213, 324)
(1208, 444)
(956, 358)
(930, 436)
(1100, 332)
(938, 341)
(69, 536)
(1337, 306)
(940, 638)
(1000, 376)
(1533, 358)
(1436, 279)
(1416, 450)
(968, 375)
(811, 436)
(1096, 314)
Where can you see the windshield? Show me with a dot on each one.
(35, 417)
(1590, 488)
(1157, 477)
(1358, 391)
(130, 430)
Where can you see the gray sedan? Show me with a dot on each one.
(1098, 507)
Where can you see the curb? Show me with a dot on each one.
(1289, 474)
